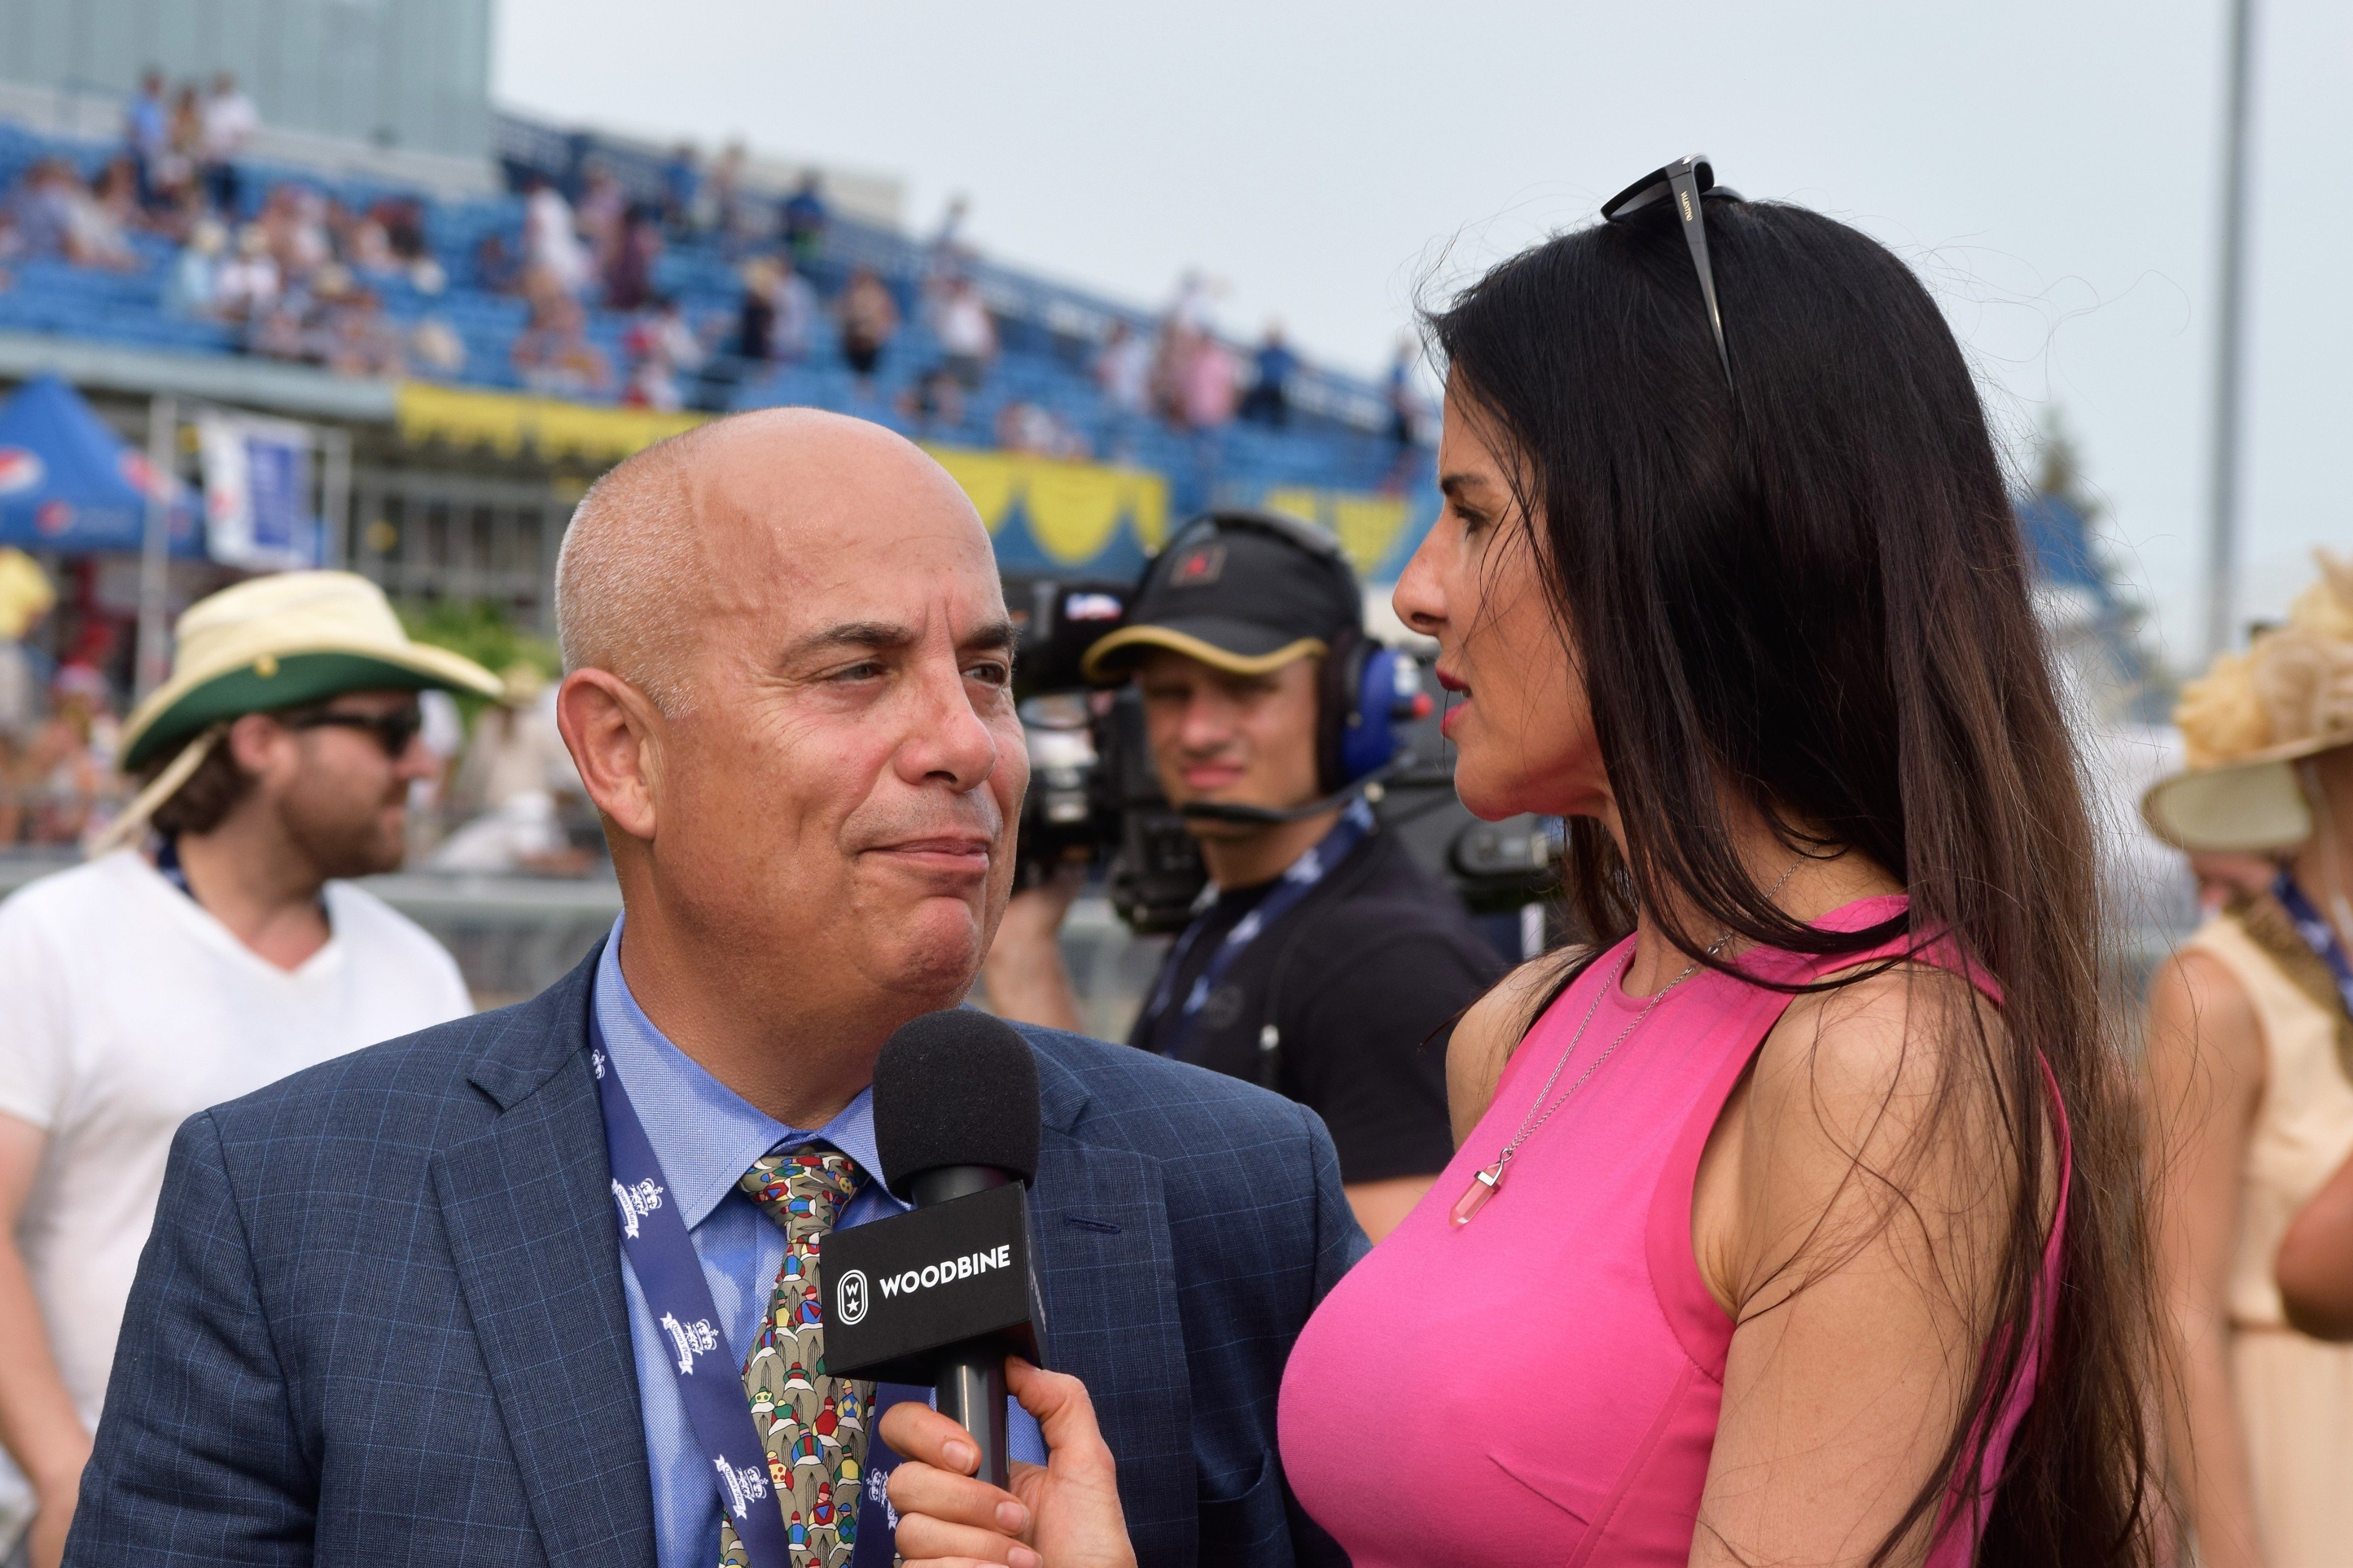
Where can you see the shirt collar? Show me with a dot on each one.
(704, 1134)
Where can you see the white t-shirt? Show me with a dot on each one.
(229, 121)
(128, 1010)
(965, 328)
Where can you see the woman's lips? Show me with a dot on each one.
(1460, 691)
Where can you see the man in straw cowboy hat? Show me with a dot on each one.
(2251, 1059)
(148, 983)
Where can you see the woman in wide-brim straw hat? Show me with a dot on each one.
(2250, 1058)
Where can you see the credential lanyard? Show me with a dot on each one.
(654, 1236)
(1298, 880)
(2318, 935)
(671, 1274)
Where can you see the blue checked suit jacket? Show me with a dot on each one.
(381, 1320)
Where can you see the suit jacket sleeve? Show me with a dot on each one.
(1339, 1240)
(1339, 1243)
(197, 1457)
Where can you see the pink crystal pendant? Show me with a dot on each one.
(1475, 1196)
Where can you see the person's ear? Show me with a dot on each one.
(614, 734)
(261, 747)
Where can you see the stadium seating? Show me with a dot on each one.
(1337, 441)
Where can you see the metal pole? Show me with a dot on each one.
(155, 555)
(336, 496)
(2223, 500)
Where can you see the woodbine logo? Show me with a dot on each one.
(948, 1272)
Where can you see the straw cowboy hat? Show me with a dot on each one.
(2251, 718)
(270, 643)
(24, 593)
(522, 683)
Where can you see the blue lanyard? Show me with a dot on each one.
(671, 1274)
(168, 867)
(2318, 935)
(653, 1234)
(1298, 880)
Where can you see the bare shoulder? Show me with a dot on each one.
(2196, 1005)
(2205, 1042)
(1863, 1063)
(1490, 1031)
(1878, 1102)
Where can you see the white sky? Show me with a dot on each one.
(2051, 167)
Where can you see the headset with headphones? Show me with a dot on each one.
(1365, 690)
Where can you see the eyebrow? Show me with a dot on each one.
(889, 636)
(992, 636)
(1449, 483)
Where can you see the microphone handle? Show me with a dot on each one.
(969, 1386)
(969, 1390)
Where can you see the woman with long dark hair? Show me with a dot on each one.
(1796, 1218)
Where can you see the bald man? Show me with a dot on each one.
(386, 1315)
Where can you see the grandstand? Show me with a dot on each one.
(462, 482)
(467, 447)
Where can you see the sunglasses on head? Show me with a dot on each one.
(1683, 182)
(395, 732)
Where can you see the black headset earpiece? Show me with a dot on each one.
(1338, 691)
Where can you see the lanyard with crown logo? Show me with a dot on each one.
(2318, 935)
(662, 1254)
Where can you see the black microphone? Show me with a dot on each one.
(945, 1292)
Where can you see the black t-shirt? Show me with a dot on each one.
(1377, 960)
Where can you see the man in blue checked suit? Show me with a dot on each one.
(385, 1317)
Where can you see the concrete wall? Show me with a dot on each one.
(411, 74)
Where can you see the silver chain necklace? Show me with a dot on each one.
(1487, 1182)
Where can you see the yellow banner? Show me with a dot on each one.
(1074, 509)
(989, 480)
(548, 426)
(1366, 525)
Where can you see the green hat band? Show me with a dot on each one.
(294, 680)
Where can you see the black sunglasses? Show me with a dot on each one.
(395, 732)
(1685, 179)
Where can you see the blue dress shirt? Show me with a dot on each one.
(705, 1136)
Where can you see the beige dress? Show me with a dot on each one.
(2294, 1393)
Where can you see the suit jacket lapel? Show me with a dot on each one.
(1109, 1282)
(529, 1220)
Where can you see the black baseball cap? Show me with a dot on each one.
(1244, 591)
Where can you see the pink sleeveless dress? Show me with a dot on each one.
(1543, 1384)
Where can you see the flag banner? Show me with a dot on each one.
(258, 510)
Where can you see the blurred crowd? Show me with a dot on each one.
(299, 274)
(58, 721)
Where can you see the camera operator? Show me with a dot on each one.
(1327, 959)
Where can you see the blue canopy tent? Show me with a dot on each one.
(69, 482)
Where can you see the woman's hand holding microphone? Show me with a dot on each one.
(1062, 1515)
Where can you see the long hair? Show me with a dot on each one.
(1809, 595)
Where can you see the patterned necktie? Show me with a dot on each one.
(812, 1425)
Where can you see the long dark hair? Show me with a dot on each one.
(1810, 595)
